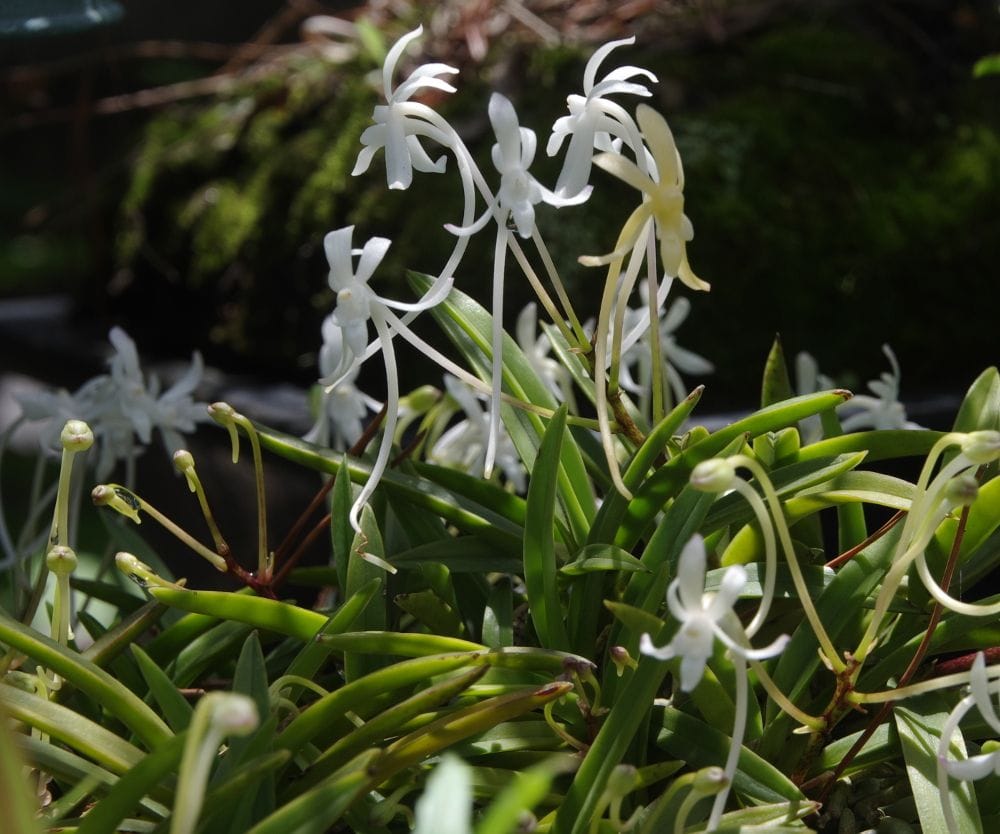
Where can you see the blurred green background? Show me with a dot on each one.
(175, 172)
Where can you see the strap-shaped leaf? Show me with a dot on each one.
(540, 568)
(469, 327)
(87, 677)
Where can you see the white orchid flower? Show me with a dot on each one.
(343, 408)
(674, 358)
(122, 406)
(593, 119)
(808, 380)
(519, 192)
(974, 767)
(357, 304)
(399, 122)
(704, 617)
(663, 201)
(464, 445)
(536, 347)
(884, 410)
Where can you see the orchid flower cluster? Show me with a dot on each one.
(628, 350)
(606, 585)
(625, 338)
(121, 409)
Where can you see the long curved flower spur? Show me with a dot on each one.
(519, 193)
(357, 304)
(974, 767)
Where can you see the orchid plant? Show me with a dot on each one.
(552, 600)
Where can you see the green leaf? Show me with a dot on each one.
(19, 808)
(341, 535)
(465, 514)
(539, 544)
(315, 811)
(311, 725)
(700, 745)
(919, 731)
(432, 611)
(526, 789)
(980, 408)
(87, 677)
(175, 707)
(124, 633)
(498, 617)
(602, 557)
(388, 723)
(987, 65)
(125, 796)
(610, 514)
(461, 554)
(67, 725)
(668, 480)
(268, 614)
(776, 386)
(312, 655)
(360, 572)
(469, 326)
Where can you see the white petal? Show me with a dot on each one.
(371, 256)
(389, 67)
(975, 767)
(610, 86)
(337, 245)
(691, 573)
(504, 121)
(692, 669)
(646, 647)
(594, 64)
(661, 142)
(979, 686)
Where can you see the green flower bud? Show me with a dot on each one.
(982, 446)
(623, 780)
(420, 399)
(61, 560)
(962, 490)
(709, 780)
(118, 498)
(225, 415)
(76, 436)
(714, 475)
(184, 463)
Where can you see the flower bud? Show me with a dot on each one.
(962, 490)
(76, 436)
(421, 399)
(61, 560)
(714, 475)
(623, 780)
(184, 463)
(982, 446)
(710, 780)
(622, 659)
(225, 415)
(118, 498)
(233, 714)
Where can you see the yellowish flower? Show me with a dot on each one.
(663, 201)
